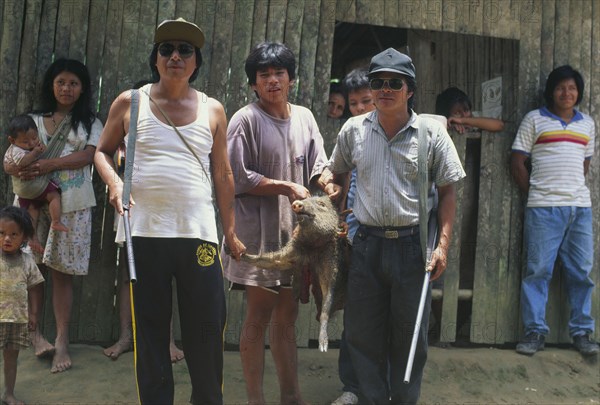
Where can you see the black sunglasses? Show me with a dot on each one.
(394, 84)
(166, 49)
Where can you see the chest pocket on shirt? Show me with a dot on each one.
(408, 163)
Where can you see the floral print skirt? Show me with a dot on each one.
(66, 252)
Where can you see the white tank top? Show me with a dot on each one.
(173, 197)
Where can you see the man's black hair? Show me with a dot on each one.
(558, 75)
(335, 88)
(449, 98)
(355, 80)
(20, 123)
(411, 85)
(82, 110)
(270, 54)
(154, 69)
(21, 217)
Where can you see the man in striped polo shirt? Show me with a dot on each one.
(559, 141)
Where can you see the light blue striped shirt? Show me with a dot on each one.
(387, 185)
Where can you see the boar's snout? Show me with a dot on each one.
(297, 206)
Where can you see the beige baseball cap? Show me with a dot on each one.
(179, 30)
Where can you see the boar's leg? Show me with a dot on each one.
(281, 260)
(327, 290)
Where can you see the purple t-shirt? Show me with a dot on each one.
(260, 145)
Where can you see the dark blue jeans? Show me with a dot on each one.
(384, 288)
(345, 367)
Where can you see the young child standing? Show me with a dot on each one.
(360, 101)
(25, 149)
(18, 274)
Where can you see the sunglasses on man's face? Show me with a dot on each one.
(166, 49)
(394, 84)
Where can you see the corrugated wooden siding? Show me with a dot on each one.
(113, 37)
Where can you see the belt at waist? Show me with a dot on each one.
(390, 232)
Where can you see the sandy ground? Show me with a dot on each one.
(452, 376)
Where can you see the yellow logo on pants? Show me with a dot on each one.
(206, 254)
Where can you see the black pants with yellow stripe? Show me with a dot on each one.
(196, 266)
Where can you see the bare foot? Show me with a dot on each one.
(11, 400)
(59, 226)
(41, 346)
(120, 347)
(35, 245)
(176, 353)
(61, 360)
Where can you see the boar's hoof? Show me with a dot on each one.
(323, 341)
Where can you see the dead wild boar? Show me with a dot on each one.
(317, 245)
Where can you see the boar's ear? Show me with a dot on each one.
(317, 192)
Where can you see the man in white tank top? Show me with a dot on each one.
(172, 216)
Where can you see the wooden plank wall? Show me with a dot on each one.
(114, 37)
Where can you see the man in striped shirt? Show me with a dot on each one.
(387, 271)
(559, 141)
